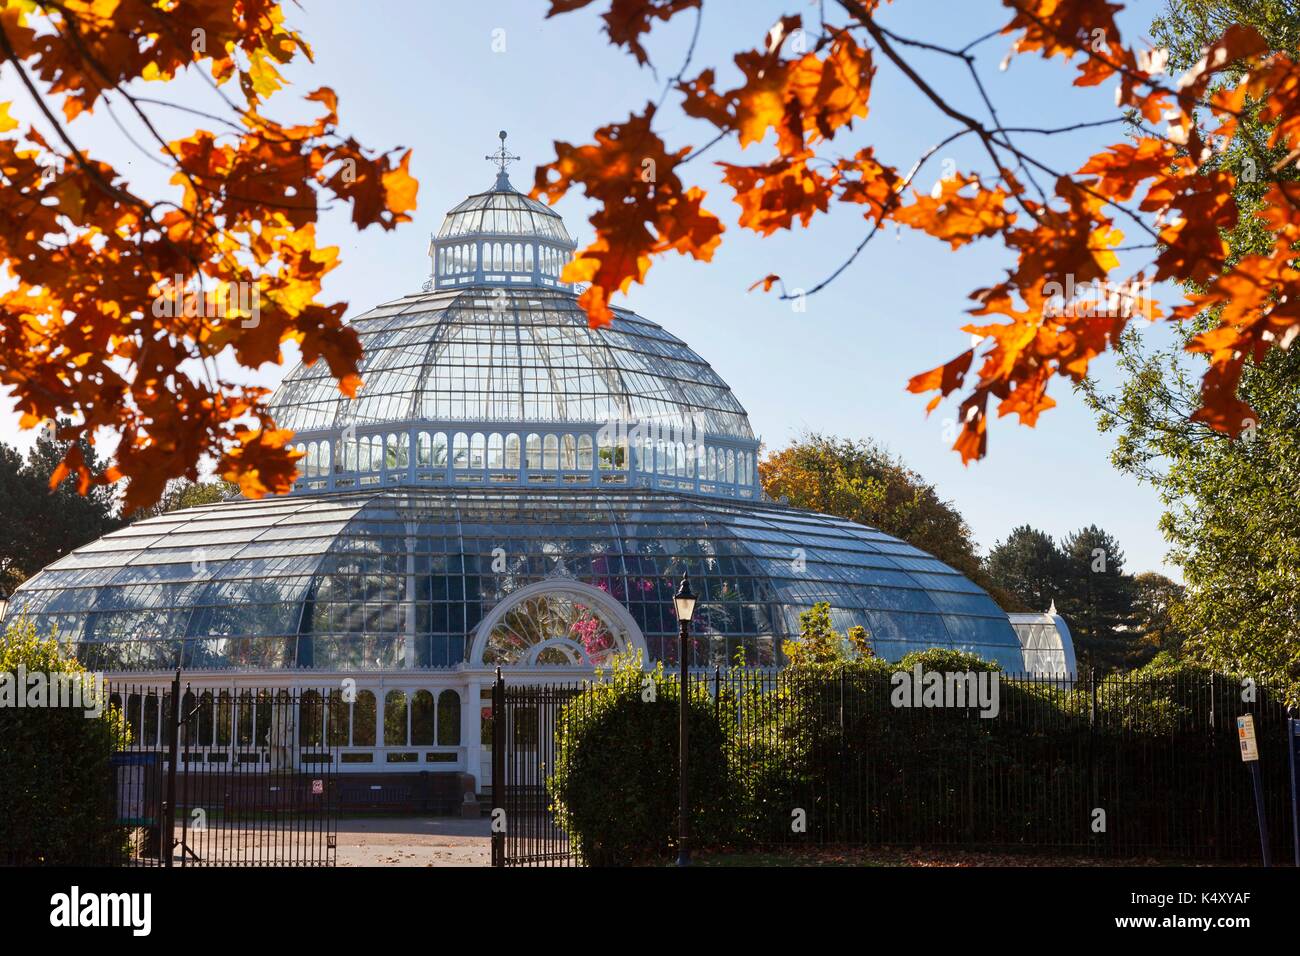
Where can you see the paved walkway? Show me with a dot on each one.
(414, 841)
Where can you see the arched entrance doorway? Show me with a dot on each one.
(546, 629)
(555, 623)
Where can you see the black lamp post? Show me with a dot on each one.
(684, 599)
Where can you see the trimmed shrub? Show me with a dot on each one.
(57, 804)
(857, 767)
(615, 786)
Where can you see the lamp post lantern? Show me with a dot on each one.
(684, 600)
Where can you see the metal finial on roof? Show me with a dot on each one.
(502, 158)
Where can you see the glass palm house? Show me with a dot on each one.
(511, 488)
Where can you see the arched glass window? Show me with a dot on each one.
(584, 452)
(363, 720)
(376, 452)
(683, 467)
(422, 719)
(337, 723)
(243, 717)
(519, 257)
(263, 735)
(731, 466)
(512, 452)
(568, 453)
(477, 450)
(206, 718)
(534, 452)
(528, 257)
(395, 731)
(422, 450)
(711, 465)
(311, 730)
(460, 451)
(495, 451)
(188, 732)
(550, 453)
(440, 450)
(225, 718)
(449, 719)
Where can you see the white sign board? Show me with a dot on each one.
(130, 793)
(1246, 736)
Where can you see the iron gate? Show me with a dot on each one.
(235, 777)
(525, 720)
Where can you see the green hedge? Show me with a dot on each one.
(56, 796)
(615, 789)
(824, 756)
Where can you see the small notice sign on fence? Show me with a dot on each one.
(1246, 737)
(317, 787)
(137, 788)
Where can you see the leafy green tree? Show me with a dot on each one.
(820, 643)
(39, 526)
(863, 482)
(1155, 600)
(187, 494)
(1231, 514)
(1029, 566)
(1097, 598)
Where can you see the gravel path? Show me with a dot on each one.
(414, 841)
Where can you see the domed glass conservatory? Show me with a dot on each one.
(509, 488)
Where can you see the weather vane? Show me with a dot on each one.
(501, 157)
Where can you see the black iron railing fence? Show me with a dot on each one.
(241, 778)
(1125, 766)
(236, 778)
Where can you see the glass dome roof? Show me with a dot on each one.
(476, 469)
(512, 356)
(399, 579)
(504, 211)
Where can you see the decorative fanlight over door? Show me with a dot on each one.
(564, 624)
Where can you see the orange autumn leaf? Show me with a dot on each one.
(947, 214)
(95, 328)
(646, 211)
(774, 195)
(806, 86)
(627, 20)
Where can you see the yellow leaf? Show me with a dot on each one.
(7, 122)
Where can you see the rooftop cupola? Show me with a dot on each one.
(500, 236)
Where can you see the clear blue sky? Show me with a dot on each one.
(425, 75)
